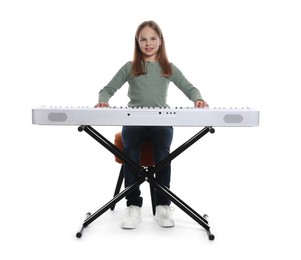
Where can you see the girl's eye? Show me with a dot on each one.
(151, 39)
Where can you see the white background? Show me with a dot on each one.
(237, 53)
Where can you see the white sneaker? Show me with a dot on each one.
(164, 216)
(131, 217)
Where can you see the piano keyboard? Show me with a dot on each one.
(154, 116)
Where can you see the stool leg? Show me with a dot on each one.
(152, 193)
(118, 185)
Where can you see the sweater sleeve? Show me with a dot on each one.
(184, 85)
(116, 83)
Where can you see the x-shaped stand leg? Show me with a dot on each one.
(146, 174)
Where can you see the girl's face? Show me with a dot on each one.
(149, 43)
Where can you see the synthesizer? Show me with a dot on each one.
(146, 116)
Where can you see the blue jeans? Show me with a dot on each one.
(133, 137)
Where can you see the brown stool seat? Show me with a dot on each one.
(147, 157)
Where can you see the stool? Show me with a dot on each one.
(146, 160)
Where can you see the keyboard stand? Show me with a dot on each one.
(146, 174)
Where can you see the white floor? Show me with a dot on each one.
(253, 211)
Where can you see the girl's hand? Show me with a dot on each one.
(101, 104)
(200, 104)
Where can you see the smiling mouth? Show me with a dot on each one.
(149, 49)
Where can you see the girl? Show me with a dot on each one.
(148, 76)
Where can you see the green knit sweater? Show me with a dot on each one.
(149, 90)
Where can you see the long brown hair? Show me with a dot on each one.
(138, 65)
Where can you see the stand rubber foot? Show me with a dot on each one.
(210, 236)
(80, 233)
